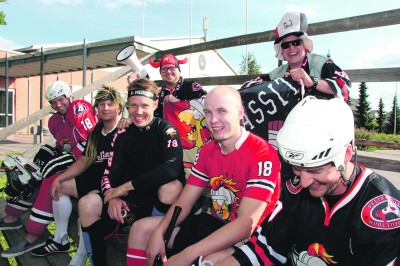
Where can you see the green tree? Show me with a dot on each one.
(253, 66)
(362, 114)
(381, 116)
(349, 101)
(2, 15)
(394, 114)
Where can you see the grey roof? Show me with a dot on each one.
(70, 58)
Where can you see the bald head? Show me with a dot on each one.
(230, 94)
(223, 112)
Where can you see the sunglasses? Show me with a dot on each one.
(286, 45)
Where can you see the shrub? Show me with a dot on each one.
(362, 133)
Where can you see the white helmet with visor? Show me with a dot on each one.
(317, 132)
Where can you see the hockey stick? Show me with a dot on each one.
(168, 233)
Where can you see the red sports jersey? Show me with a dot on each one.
(251, 170)
(72, 129)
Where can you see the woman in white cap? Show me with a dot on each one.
(320, 76)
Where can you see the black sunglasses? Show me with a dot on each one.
(286, 45)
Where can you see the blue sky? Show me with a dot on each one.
(36, 22)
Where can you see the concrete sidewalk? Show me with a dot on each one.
(21, 143)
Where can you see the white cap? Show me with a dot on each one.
(292, 23)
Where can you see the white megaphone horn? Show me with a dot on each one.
(128, 55)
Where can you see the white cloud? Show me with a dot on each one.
(105, 3)
(119, 3)
(64, 2)
(9, 44)
(306, 8)
(382, 56)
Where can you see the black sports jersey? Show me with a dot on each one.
(184, 90)
(148, 157)
(361, 227)
(90, 179)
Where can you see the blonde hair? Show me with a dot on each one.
(106, 93)
(143, 84)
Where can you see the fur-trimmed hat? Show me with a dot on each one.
(168, 59)
(292, 23)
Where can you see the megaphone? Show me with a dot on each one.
(128, 55)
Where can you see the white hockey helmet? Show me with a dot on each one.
(57, 89)
(317, 132)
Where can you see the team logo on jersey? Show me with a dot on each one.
(315, 255)
(80, 110)
(171, 132)
(223, 196)
(293, 185)
(382, 212)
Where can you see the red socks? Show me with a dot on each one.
(136, 257)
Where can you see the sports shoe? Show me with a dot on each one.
(21, 248)
(50, 247)
(10, 226)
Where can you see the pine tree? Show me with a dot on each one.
(253, 66)
(362, 115)
(381, 116)
(391, 118)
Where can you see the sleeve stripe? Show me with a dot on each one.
(199, 174)
(338, 90)
(262, 183)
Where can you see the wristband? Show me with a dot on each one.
(315, 82)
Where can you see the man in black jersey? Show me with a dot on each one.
(83, 176)
(333, 211)
(145, 156)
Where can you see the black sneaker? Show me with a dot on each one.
(21, 248)
(10, 226)
(50, 247)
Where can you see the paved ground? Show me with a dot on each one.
(21, 144)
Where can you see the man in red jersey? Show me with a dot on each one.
(241, 172)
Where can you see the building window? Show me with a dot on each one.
(3, 107)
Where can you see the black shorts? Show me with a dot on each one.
(85, 184)
(193, 229)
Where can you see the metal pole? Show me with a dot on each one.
(6, 85)
(41, 91)
(91, 81)
(143, 20)
(247, 52)
(394, 112)
(29, 93)
(190, 41)
(84, 63)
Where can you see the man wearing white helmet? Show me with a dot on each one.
(333, 211)
(70, 126)
(320, 76)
